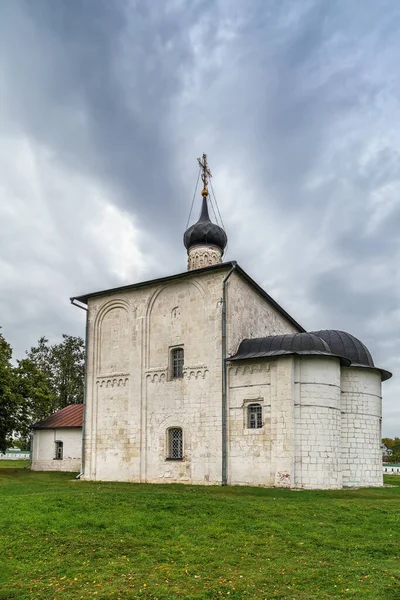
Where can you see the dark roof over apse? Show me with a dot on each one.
(345, 344)
(289, 344)
(340, 344)
(205, 232)
(70, 416)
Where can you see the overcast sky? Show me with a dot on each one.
(105, 106)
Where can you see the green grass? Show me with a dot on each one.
(67, 539)
(13, 464)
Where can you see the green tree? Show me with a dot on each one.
(49, 378)
(69, 370)
(36, 396)
(63, 366)
(389, 442)
(10, 409)
(41, 356)
(392, 443)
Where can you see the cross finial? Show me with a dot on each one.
(205, 175)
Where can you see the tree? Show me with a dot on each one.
(69, 370)
(49, 378)
(41, 357)
(63, 365)
(391, 442)
(35, 394)
(10, 414)
(394, 445)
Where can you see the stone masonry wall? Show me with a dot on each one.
(261, 456)
(249, 315)
(361, 404)
(282, 451)
(132, 399)
(249, 450)
(317, 423)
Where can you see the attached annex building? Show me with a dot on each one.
(56, 443)
(202, 378)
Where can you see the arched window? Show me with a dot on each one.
(254, 416)
(177, 358)
(58, 450)
(175, 443)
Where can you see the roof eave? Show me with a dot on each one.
(42, 427)
(84, 299)
(280, 353)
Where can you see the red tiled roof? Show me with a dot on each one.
(70, 416)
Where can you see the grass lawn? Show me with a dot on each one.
(13, 464)
(66, 539)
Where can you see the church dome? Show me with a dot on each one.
(204, 232)
(304, 343)
(345, 344)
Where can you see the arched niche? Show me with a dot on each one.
(112, 338)
(173, 311)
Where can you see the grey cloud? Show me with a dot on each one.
(71, 92)
(294, 104)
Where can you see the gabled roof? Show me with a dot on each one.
(70, 416)
(186, 275)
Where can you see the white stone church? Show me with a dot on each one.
(202, 378)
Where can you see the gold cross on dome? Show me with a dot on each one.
(205, 175)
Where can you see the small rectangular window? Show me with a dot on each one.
(177, 359)
(58, 450)
(254, 416)
(175, 443)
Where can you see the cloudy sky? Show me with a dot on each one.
(105, 106)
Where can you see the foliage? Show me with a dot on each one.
(394, 458)
(68, 360)
(391, 442)
(22, 442)
(69, 539)
(63, 365)
(49, 378)
(10, 410)
(394, 445)
(36, 396)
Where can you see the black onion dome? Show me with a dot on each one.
(345, 344)
(204, 232)
(277, 345)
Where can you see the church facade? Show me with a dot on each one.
(203, 378)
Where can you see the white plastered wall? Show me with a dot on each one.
(132, 400)
(250, 315)
(261, 456)
(43, 449)
(361, 403)
(317, 423)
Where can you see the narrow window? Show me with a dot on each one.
(175, 443)
(254, 416)
(58, 450)
(177, 357)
